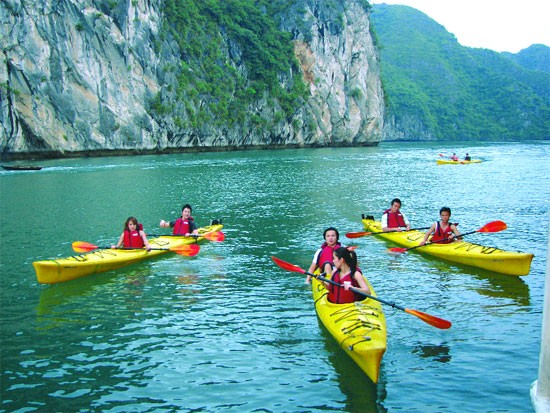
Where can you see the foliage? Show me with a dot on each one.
(456, 92)
(232, 54)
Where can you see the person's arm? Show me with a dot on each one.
(313, 266)
(406, 221)
(120, 241)
(428, 233)
(145, 241)
(384, 223)
(194, 228)
(362, 283)
(456, 233)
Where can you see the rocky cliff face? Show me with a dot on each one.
(78, 77)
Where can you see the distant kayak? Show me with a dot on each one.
(21, 167)
(459, 162)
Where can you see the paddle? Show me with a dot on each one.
(428, 318)
(365, 233)
(188, 250)
(493, 226)
(216, 236)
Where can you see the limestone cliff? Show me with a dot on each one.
(83, 77)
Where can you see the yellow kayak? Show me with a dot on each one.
(101, 260)
(451, 162)
(475, 255)
(359, 327)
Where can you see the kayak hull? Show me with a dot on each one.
(359, 328)
(101, 260)
(450, 162)
(474, 255)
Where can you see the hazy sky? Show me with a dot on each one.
(504, 26)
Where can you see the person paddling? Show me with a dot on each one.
(133, 236)
(323, 256)
(393, 219)
(185, 225)
(443, 231)
(347, 274)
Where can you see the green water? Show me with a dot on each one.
(229, 331)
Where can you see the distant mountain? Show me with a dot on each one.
(535, 57)
(437, 89)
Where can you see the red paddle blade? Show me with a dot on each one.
(430, 319)
(287, 266)
(397, 250)
(81, 246)
(189, 250)
(357, 234)
(494, 226)
(216, 236)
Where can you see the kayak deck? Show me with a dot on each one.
(359, 328)
(102, 260)
(451, 162)
(489, 258)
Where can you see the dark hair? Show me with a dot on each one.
(395, 200)
(445, 209)
(331, 229)
(349, 256)
(186, 206)
(128, 220)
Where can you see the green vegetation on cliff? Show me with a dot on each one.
(454, 92)
(212, 37)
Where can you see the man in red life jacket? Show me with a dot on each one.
(443, 231)
(393, 219)
(182, 226)
(323, 258)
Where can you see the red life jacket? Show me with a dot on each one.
(326, 254)
(132, 239)
(440, 234)
(395, 219)
(339, 295)
(182, 227)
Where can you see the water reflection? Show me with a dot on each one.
(362, 395)
(440, 353)
(493, 284)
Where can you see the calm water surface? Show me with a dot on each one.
(229, 331)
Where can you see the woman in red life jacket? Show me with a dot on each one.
(347, 274)
(185, 225)
(443, 231)
(393, 219)
(323, 256)
(132, 236)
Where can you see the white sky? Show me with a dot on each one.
(503, 26)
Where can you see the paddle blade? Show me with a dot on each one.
(494, 226)
(430, 319)
(287, 266)
(397, 250)
(216, 236)
(81, 246)
(189, 250)
(357, 234)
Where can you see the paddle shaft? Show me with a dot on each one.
(427, 318)
(440, 241)
(365, 233)
(356, 290)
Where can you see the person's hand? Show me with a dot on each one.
(347, 285)
(162, 223)
(113, 246)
